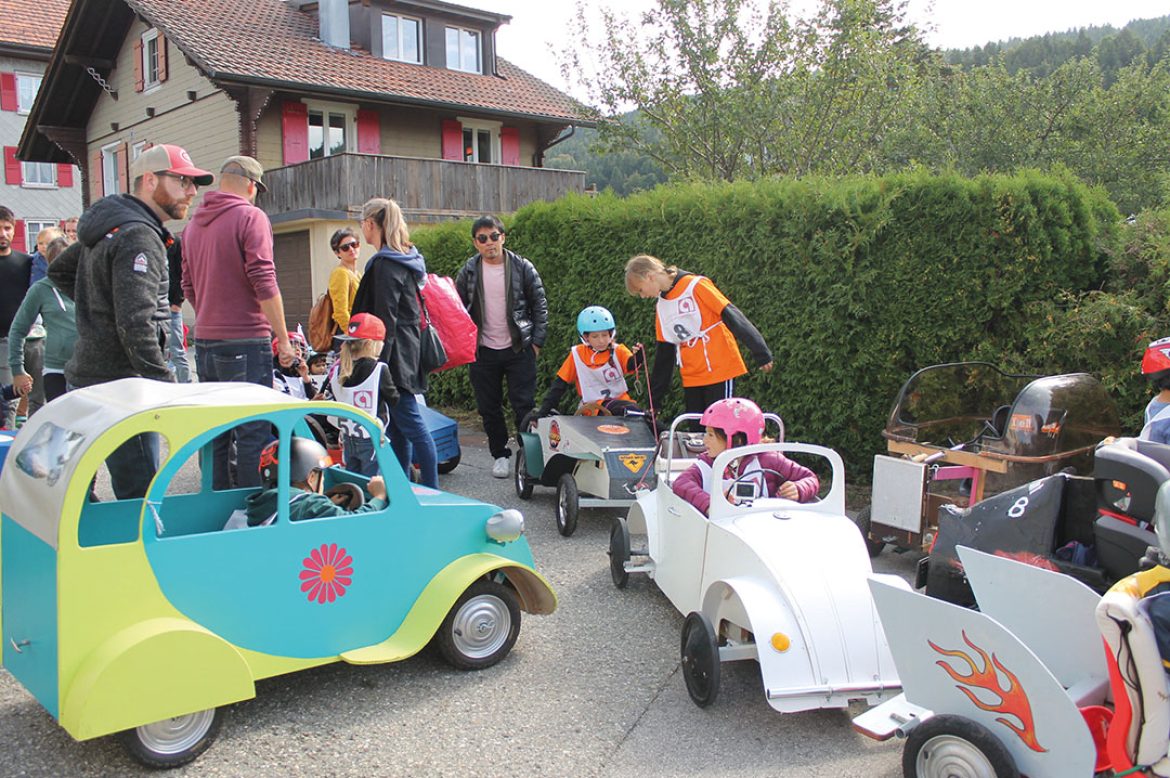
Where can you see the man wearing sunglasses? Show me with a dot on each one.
(504, 295)
(117, 275)
(229, 276)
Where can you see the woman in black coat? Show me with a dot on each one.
(389, 290)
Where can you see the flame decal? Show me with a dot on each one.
(1013, 701)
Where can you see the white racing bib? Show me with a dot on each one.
(364, 396)
(599, 383)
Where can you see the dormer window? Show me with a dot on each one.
(463, 50)
(400, 38)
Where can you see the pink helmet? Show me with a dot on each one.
(735, 415)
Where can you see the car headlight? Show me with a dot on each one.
(506, 526)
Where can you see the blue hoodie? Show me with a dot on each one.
(413, 260)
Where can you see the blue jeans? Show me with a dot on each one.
(247, 360)
(177, 350)
(132, 466)
(360, 455)
(409, 435)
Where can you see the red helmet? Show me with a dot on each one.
(298, 343)
(735, 415)
(1157, 357)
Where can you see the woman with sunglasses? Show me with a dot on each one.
(344, 280)
(389, 289)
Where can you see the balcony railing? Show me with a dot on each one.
(427, 189)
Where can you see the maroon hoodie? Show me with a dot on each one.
(228, 268)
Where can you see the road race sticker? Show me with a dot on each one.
(141, 263)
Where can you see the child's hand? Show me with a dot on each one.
(22, 384)
(767, 368)
(377, 487)
(788, 491)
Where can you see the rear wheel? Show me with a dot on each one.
(174, 741)
(955, 747)
(481, 627)
(863, 521)
(619, 552)
(523, 485)
(568, 503)
(700, 659)
(447, 465)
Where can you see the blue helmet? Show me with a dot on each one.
(594, 319)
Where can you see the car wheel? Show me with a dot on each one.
(700, 659)
(174, 741)
(862, 520)
(619, 552)
(946, 745)
(568, 502)
(481, 627)
(520, 471)
(447, 465)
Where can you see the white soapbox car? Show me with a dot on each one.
(768, 579)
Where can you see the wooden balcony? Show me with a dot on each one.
(428, 190)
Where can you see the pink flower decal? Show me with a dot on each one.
(328, 571)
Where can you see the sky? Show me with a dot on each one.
(538, 24)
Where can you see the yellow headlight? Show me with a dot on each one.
(781, 642)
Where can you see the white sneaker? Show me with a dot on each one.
(502, 467)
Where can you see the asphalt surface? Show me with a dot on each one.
(591, 690)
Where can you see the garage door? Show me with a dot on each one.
(294, 276)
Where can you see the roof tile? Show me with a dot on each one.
(26, 23)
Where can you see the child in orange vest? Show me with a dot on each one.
(598, 366)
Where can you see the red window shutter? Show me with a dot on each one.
(96, 185)
(139, 83)
(452, 140)
(162, 58)
(18, 241)
(8, 92)
(12, 171)
(509, 146)
(124, 169)
(64, 175)
(294, 130)
(369, 132)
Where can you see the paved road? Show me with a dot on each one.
(592, 690)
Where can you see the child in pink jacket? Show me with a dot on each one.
(738, 422)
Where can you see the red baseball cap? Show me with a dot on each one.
(364, 326)
(165, 158)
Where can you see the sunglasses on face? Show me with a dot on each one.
(351, 246)
(493, 237)
(185, 182)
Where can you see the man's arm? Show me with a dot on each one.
(273, 309)
(537, 305)
(138, 271)
(63, 271)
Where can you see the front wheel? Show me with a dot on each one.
(568, 503)
(481, 627)
(700, 659)
(447, 465)
(863, 521)
(945, 746)
(619, 552)
(520, 472)
(174, 741)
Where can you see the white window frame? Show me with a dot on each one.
(29, 180)
(21, 107)
(482, 125)
(110, 170)
(418, 38)
(348, 110)
(137, 149)
(149, 37)
(478, 48)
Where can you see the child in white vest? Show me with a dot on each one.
(738, 422)
(598, 367)
(363, 382)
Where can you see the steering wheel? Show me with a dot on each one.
(347, 495)
(743, 477)
(595, 408)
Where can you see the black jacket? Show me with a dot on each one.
(527, 307)
(389, 290)
(116, 273)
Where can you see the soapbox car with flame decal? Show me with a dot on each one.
(1026, 685)
(961, 431)
(753, 586)
(593, 461)
(146, 616)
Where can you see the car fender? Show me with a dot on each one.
(758, 607)
(423, 620)
(153, 670)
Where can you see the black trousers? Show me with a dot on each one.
(488, 373)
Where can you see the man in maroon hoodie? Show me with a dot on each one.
(230, 278)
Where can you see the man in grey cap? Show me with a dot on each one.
(230, 279)
(116, 274)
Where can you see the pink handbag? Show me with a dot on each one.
(448, 316)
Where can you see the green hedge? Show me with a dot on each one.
(854, 282)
